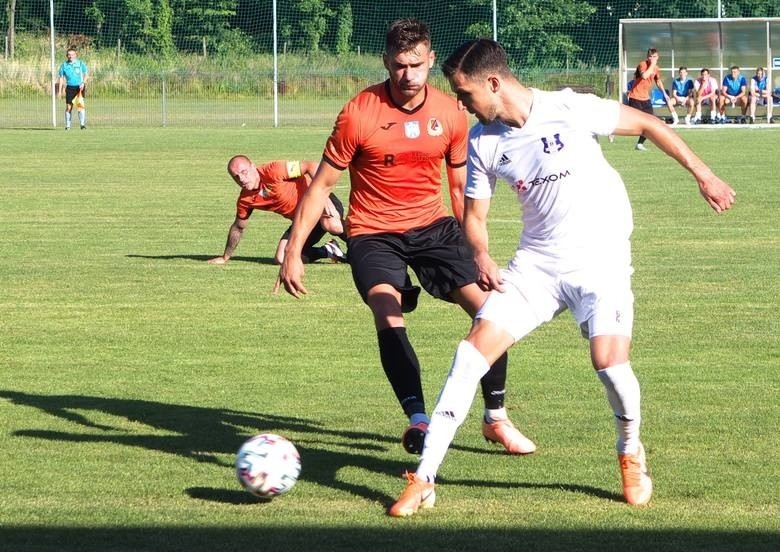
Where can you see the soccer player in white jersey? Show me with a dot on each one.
(574, 252)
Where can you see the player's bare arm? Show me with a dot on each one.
(309, 169)
(456, 178)
(308, 213)
(719, 195)
(234, 236)
(476, 233)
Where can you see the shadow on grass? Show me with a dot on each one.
(205, 434)
(404, 536)
(257, 260)
(208, 434)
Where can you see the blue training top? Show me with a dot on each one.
(760, 84)
(734, 86)
(682, 87)
(74, 72)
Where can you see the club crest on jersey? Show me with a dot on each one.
(412, 129)
(435, 128)
(552, 144)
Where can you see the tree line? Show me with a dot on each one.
(535, 32)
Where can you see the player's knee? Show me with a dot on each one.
(609, 357)
(333, 225)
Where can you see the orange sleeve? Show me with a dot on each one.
(458, 153)
(274, 171)
(343, 143)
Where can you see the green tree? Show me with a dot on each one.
(344, 25)
(202, 21)
(304, 24)
(10, 14)
(537, 34)
(140, 26)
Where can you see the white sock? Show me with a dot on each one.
(68, 117)
(698, 115)
(624, 397)
(452, 407)
(82, 117)
(495, 414)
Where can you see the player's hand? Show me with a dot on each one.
(488, 275)
(218, 260)
(291, 276)
(717, 193)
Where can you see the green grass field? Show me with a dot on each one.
(131, 370)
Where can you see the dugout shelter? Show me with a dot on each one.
(716, 44)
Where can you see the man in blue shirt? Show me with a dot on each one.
(682, 93)
(760, 93)
(733, 91)
(73, 78)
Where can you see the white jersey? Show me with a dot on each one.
(575, 206)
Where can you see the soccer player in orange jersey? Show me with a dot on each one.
(278, 187)
(393, 137)
(646, 76)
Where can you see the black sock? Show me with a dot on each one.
(494, 383)
(312, 254)
(401, 368)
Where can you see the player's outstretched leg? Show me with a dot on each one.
(403, 372)
(624, 397)
(418, 494)
(637, 485)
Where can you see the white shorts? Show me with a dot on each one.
(535, 291)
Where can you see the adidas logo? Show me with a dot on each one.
(449, 414)
(504, 160)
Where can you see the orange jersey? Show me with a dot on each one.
(643, 88)
(281, 188)
(394, 158)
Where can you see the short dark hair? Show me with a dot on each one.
(734, 67)
(651, 51)
(475, 57)
(404, 34)
(683, 68)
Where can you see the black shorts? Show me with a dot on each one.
(437, 253)
(641, 105)
(72, 91)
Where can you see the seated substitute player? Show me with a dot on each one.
(278, 187)
(393, 137)
(733, 91)
(705, 93)
(760, 94)
(682, 93)
(574, 252)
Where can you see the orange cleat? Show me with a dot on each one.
(637, 485)
(417, 495)
(506, 434)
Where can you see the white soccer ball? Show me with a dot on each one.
(268, 465)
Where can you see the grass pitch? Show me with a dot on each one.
(131, 370)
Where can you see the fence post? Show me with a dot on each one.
(164, 106)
